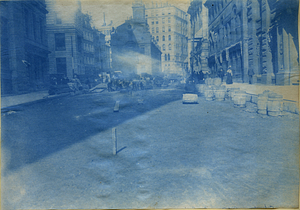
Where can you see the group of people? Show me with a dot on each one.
(126, 84)
(61, 84)
(221, 74)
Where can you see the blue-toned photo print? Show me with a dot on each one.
(141, 104)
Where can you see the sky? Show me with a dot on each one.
(119, 10)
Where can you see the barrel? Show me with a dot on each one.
(248, 98)
(208, 81)
(232, 92)
(262, 103)
(200, 88)
(254, 99)
(239, 99)
(275, 104)
(217, 81)
(220, 93)
(209, 93)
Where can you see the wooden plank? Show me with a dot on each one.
(114, 140)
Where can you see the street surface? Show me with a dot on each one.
(57, 153)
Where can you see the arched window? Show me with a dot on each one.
(163, 38)
(164, 47)
(157, 30)
(169, 37)
(157, 38)
(170, 47)
(234, 9)
(168, 57)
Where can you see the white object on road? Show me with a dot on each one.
(114, 140)
(140, 101)
(117, 106)
(99, 86)
(190, 99)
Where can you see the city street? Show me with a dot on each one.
(57, 153)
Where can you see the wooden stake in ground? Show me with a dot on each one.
(117, 105)
(114, 140)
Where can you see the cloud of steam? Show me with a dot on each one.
(66, 10)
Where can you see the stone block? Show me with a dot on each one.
(190, 99)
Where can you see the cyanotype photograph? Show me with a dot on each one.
(140, 104)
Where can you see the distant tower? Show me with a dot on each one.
(79, 5)
(104, 24)
(138, 10)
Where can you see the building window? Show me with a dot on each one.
(169, 20)
(157, 30)
(156, 22)
(27, 24)
(79, 42)
(34, 27)
(152, 22)
(58, 20)
(61, 66)
(169, 37)
(168, 57)
(163, 21)
(164, 47)
(60, 44)
(153, 30)
(42, 31)
(157, 38)
(170, 47)
(169, 28)
(163, 29)
(163, 37)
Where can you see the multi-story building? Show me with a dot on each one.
(24, 49)
(133, 49)
(102, 53)
(73, 42)
(198, 43)
(169, 25)
(257, 38)
(107, 29)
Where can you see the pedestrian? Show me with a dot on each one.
(201, 75)
(251, 73)
(88, 83)
(77, 83)
(229, 76)
(221, 73)
(65, 80)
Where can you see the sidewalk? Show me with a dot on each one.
(290, 92)
(14, 100)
